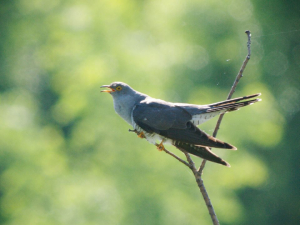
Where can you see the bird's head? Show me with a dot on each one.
(118, 89)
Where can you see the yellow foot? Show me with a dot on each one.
(141, 135)
(160, 146)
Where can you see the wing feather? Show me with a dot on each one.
(173, 122)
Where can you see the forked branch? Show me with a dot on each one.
(190, 164)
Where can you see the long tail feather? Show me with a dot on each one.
(234, 100)
(233, 104)
(202, 152)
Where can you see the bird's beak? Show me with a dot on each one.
(107, 86)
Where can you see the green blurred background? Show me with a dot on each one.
(67, 158)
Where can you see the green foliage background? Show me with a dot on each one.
(67, 158)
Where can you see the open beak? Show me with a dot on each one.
(107, 86)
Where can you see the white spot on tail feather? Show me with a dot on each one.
(201, 118)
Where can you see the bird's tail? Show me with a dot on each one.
(202, 152)
(233, 104)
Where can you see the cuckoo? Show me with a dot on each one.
(162, 122)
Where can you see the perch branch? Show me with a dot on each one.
(198, 174)
(190, 163)
(179, 159)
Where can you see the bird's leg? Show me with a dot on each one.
(160, 146)
(141, 135)
(132, 131)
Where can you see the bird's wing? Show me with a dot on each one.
(172, 122)
(157, 116)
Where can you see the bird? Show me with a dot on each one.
(161, 122)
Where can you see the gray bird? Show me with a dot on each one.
(173, 123)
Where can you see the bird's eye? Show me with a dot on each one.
(119, 88)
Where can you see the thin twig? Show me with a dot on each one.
(232, 90)
(191, 162)
(179, 159)
(236, 81)
(200, 170)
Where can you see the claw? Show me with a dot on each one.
(160, 146)
(141, 135)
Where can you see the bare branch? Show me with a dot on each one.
(179, 159)
(202, 188)
(232, 90)
(204, 193)
(190, 163)
(240, 74)
(200, 170)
